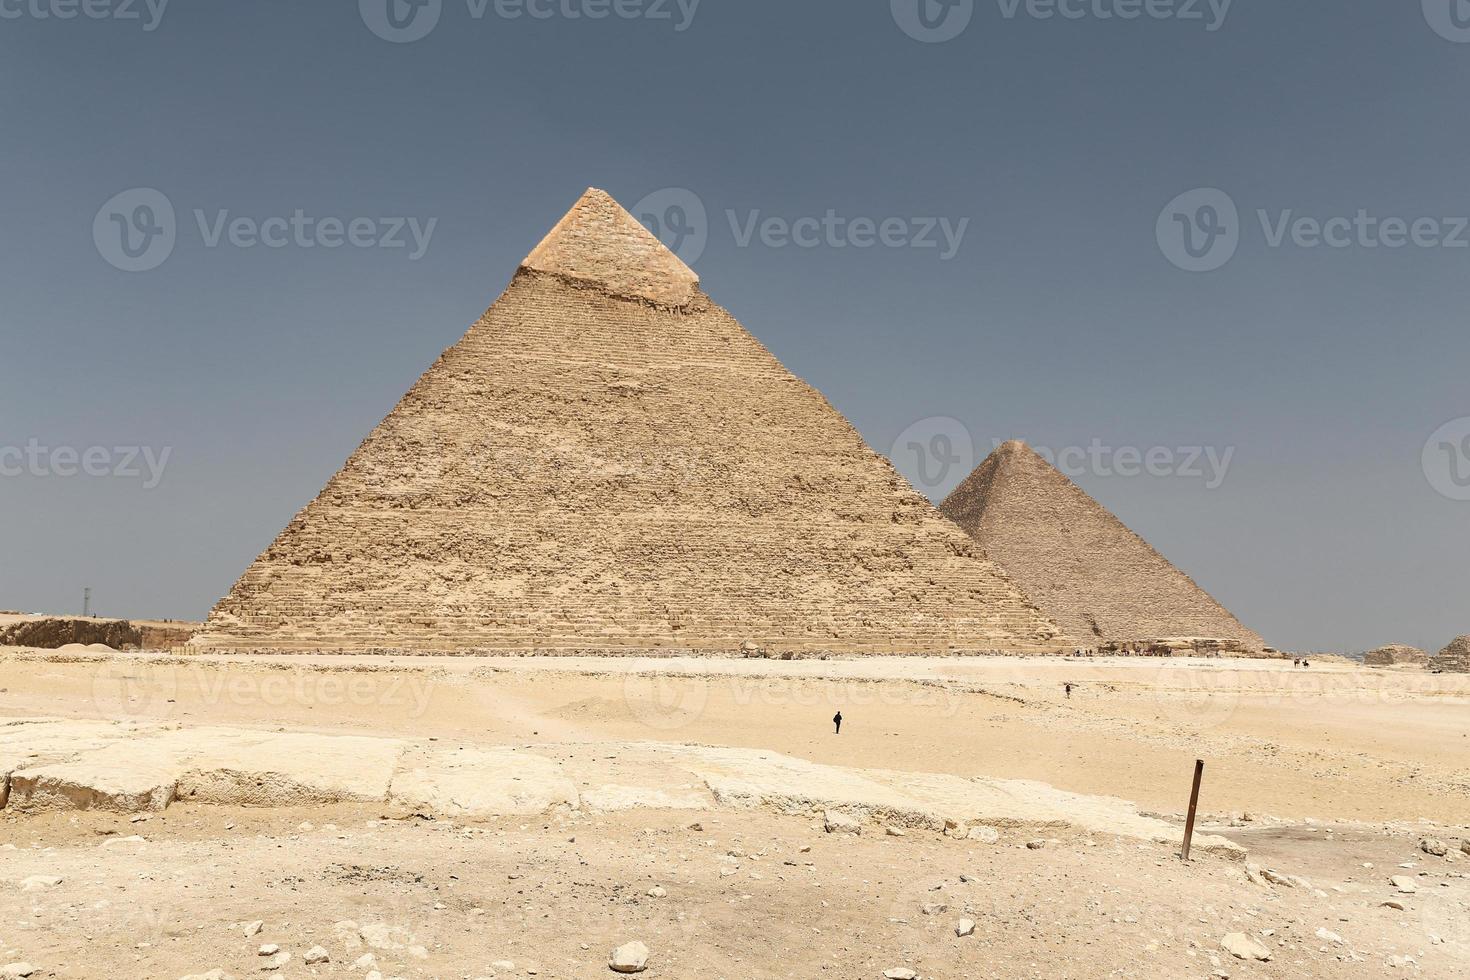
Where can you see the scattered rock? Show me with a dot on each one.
(892, 831)
(900, 973)
(1404, 884)
(837, 822)
(1243, 947)
(933, 908)
(253, 928)
(1327, 936)
(1435, 846)
(1035, 845)
(1253, 874)
(269, 949)
(985, 835)
(629, 958)
(315, 955)
(966, 927)
(658, 891)
(37, 882)
(11, 971)
(1391, 904)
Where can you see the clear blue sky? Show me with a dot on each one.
(1060, 318)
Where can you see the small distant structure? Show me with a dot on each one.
(1455, 658)
(1396, 655)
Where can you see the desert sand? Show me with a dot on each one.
(476, 817)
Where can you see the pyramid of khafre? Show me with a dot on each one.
(607, 461)
(1455, 658)
(1091, 575)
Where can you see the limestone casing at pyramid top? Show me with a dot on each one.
(600, 244)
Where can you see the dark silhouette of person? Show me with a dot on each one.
(837, 720)
(1069, 689)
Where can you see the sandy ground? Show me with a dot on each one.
(1365, 754)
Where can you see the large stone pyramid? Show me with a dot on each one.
(607, 461)
(1089, 573)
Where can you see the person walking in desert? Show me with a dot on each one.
(837, 721)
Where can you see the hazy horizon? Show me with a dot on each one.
(1214, 267)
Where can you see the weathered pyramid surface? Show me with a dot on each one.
(1455, 658)
(607, 461)
(1087, 571)
(1396, 655)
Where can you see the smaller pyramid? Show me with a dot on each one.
(1453, 659)
(1087, 571)
(1396, 655)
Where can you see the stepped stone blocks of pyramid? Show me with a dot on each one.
(1455, 658)
(608, 462)
(1396, 655)
(1089, 573)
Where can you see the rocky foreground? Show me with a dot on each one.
(222, 891)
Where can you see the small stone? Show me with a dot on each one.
(966, 927)
(277, 961)
(1328, 936)
(37, 882)
(1035, 845)
(933, 908)
(1277, 878)
(1435, 846)
(892, 831)
(658, 891)
(1404, 884)
(1253, 874)
(900, 973)
(1391, 904)
(315, 955)
(269, 949)
(503, 966)
(629, 958)
(253, 928)
(1243, 947)
(837, 822)
(366, 961)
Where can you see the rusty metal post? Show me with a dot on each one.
(1199, 771)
